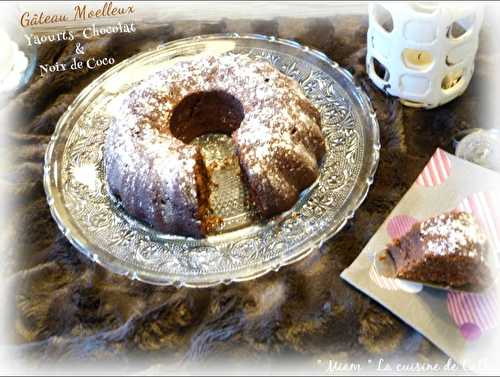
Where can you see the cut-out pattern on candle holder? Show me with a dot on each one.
(423, 52)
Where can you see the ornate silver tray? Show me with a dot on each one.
(243, 247)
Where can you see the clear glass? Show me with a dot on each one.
(244, 247)
(482, 147)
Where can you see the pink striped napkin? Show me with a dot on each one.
(466, 326)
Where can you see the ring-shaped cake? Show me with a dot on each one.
(161, 179)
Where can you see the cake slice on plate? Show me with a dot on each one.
(449, 250)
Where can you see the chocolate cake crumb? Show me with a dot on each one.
(449, 249)
(148, 152)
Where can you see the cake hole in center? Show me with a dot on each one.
(205, 113)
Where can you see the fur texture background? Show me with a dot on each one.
(67, 308)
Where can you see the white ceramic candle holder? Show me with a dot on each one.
(423, 52)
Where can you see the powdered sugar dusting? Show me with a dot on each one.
(144, 160)
(456, 234)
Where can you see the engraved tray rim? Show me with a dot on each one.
(353, 201)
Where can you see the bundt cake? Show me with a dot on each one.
(162, 180)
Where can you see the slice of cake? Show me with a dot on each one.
(449, 249)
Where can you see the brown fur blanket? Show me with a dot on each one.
(64, 307)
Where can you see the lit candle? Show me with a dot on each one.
(422, 52)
